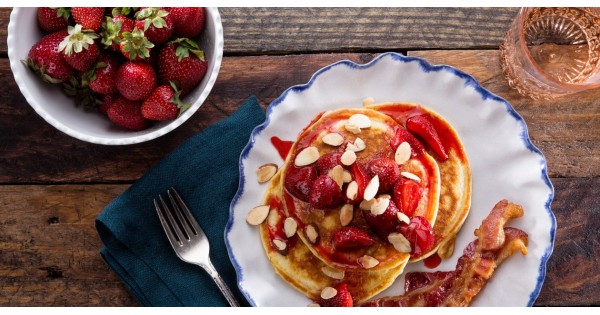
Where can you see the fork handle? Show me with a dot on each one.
(210, 269)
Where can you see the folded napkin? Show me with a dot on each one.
(204, 170)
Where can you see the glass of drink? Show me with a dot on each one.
(551, 52)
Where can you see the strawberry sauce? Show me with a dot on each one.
(432, 261)
(283, 147)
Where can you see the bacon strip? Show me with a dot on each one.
(474, 267)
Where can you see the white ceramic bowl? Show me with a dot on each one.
(59, 110)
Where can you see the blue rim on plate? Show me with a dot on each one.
(426, 67)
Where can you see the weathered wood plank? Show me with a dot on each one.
(49, 246)
(299, 30)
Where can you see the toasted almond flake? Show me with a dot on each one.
(360, 120)
(307, 156)
(265, 172)
(368, 101)
(352, 128)
(289, 227)
(402, 217)
(328, 293)
(447, 247)
(372, 188)
(334, 139)
(402, 153)
(412, 176)
(368, 262)
(346, 214)
(311, 233)
(352, 190)
(333, 273)
(337, 174)
(346, 176)
(357, 146)
(379, 205)
(400, 242)
(366, 204)
(348, 158)
(257, 215)
(314, 305)
(280, 245)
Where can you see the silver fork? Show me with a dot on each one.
(187, 238)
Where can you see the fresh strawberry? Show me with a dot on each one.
(299, 180)
(135, 46)
(419, 233)
(163, 103)
(45, 59)
(343, 298)
(53, 19)
(385, 223)
(127, 114)
(402, 135)
(113, 29)
(388, 172)
(325, 193)
(422, 126)
(121, 11)
(77, 88)
(351, 237)
(181, 61)
(407, 194)
(188, 22)
(328, 161)
(359, 174)
(101, 78)
(156, 23)
(135, 80)
(79, 49)
(106, 101)
(89, 18)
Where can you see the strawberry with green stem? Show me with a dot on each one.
(135, 46)
(78, 48)
(182, 62)
(156, 23)
(53, 19)
(101, 78)
(45, 59)
(113, 29)
(164, 103)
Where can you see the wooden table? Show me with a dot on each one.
(53, 186)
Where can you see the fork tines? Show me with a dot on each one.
(181, 226)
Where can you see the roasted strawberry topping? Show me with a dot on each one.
(407, 194)
(299, 180)
(419, 233)
(385, 223)
(388, 173)
(328, 161)
(402, 135)
(422, 126)
(325, 193)
(350, 237)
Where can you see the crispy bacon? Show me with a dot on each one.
(473, 269)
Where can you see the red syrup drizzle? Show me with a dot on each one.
(432, 261)
(282, 146)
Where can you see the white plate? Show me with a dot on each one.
(504, 164)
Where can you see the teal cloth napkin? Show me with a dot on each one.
(205, 172)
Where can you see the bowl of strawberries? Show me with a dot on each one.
(115, 76)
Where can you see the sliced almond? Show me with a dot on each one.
(368, 262)
(366, 204)
(346, 214)
(400, 242)
(257, 215)
(328, 293)
(337, 174)
(402, 153)
(333, 273)
(379, 205)
(352, 128)
(352, 190)
(360, 120)
(372, 188)
(311, 233)
(357, 146)
(334, 139)
(307, 156)
(346, 176)
(368, 101)
(289, 227)
(402, 217)
(265, 172)
(348, 158)
(280, 245)
(412, 176)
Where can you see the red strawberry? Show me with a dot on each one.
(188, 22)
(343, 298)
(45, 59)
(325, 193)
(182, 62)
(79, 49)
(351, 237)
(419, 233)
(135, 46)
(156, 23)
(102, 76)
(163, 103)
(106, 102)
(299, 180)
(422, 126)
(402, 135)
(360, 176)
(113, 29)
(385, 223)
(90, 18)
(388, 172)
(407, 194)
(53, 19)
(328, 161)
(77, 87)
(127, 114)
(135, 80)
